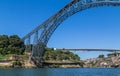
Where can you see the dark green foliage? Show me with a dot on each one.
(101, 56)
(4, 43)
(60, 55)
(11, 45)
(17, 63)
(16, 45)
(113, 54)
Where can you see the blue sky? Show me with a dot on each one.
(93, 28)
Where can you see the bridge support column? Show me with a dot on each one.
(34, 45)
(38, 57)
(28, 45)
(37, 50)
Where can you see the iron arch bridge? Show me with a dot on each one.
(48, 27)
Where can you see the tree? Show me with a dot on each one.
(112, 54)
(60, 55)
(4, 43)
(16, 45)
(101, 56)
(11, 45)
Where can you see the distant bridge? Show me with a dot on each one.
(77, 49)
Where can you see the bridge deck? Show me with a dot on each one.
(77, 49)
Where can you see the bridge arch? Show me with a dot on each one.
(69, 10)
(50, 25)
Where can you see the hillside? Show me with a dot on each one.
(61, 56)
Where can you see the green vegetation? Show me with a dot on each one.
(11, 45)
(3, 57)
(59, 55)
(101, 56)
(17, 63)
(113, 54)
(57, 58)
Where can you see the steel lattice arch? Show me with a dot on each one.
(49, 26)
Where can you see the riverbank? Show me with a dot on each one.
(24, 61)
(17, 61)
(30, 64)
(111, 61)
(26, 64)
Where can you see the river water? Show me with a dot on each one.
(60, 72)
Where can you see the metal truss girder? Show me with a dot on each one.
(62, 18)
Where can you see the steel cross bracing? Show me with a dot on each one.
(50, 25)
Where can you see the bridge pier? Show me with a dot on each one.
(28, 45)
(37, 54)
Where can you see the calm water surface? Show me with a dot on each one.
(60, 72)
